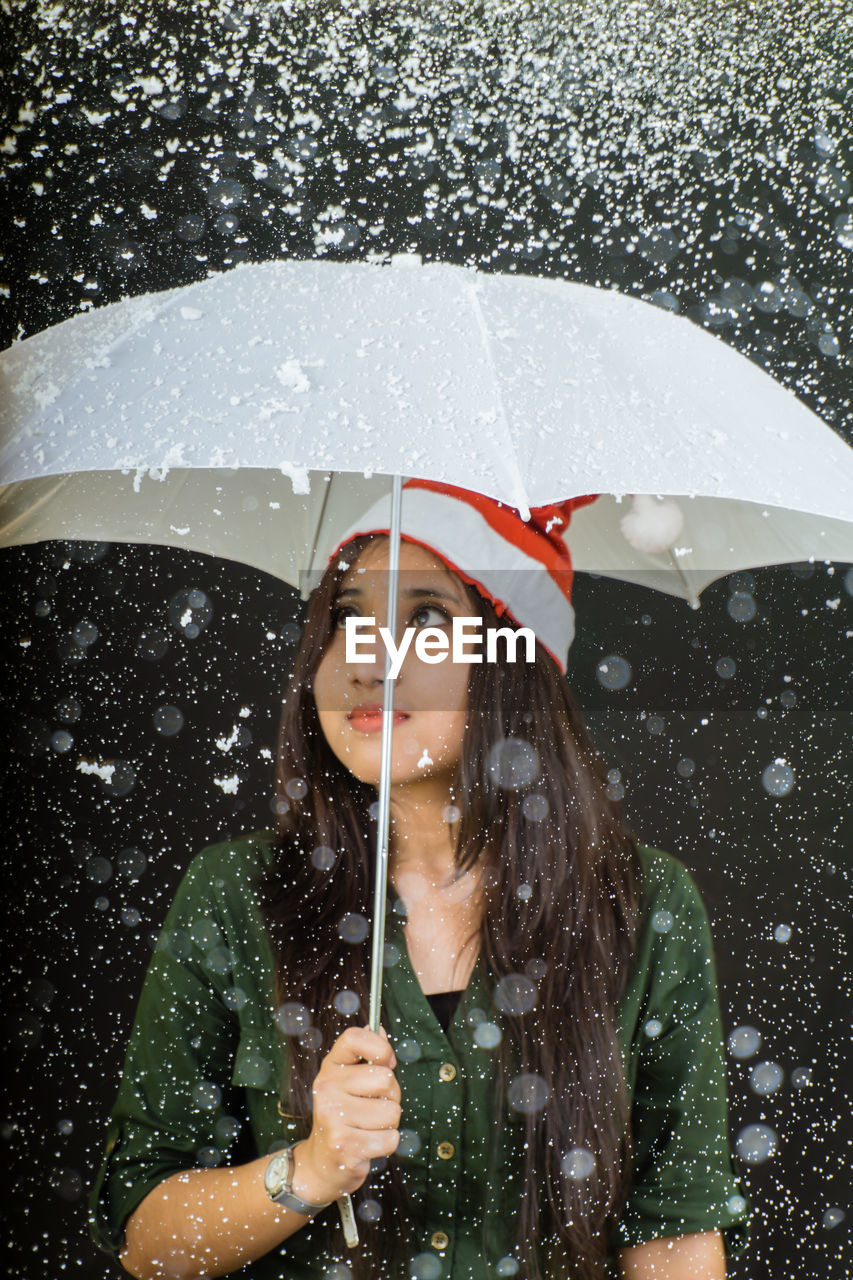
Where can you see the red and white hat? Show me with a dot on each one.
(523, 568)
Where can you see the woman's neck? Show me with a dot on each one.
(422, 839)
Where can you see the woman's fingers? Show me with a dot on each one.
(369, 1113)
(366, 1081)
(360, 1044)
(354, 1098)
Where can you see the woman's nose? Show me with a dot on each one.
(368, 666)
(367, 673)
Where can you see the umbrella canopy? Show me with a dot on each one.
(130, 423)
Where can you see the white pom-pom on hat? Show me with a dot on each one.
(652, 525)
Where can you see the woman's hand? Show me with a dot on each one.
(356, 1116)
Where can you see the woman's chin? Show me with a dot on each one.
(406, 771)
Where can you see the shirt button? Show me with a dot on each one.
(447, 1071)
(439, 1240)
(446, 1150)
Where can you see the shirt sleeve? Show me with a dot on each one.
(684, 1181)
(170, 1113)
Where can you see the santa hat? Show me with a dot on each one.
(523, 567)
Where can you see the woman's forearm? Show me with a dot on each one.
(204, 1223)
(698, 1256)
(210, 1222)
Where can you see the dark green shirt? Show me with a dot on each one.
(205, 1060)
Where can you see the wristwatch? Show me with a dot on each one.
(278, 1179)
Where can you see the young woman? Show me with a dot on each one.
(547, 1095)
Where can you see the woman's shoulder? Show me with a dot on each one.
(669, 891)
(252, 852)
(663, 873)
(222, 876)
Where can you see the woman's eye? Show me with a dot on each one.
(432, 608)
(339, 615)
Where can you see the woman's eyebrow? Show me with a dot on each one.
(410, 592)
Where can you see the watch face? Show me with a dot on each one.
(276, 1172)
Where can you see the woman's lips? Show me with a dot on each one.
(371, 721)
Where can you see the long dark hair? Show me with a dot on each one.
(574, 928)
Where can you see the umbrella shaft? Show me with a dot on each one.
(381, 877)
(381, 881)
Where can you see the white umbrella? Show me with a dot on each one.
(221, 417)
(128, 423)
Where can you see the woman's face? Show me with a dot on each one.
(430, 699)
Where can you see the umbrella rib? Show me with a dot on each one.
(689, 594)
(521, 497)
(319, 523)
